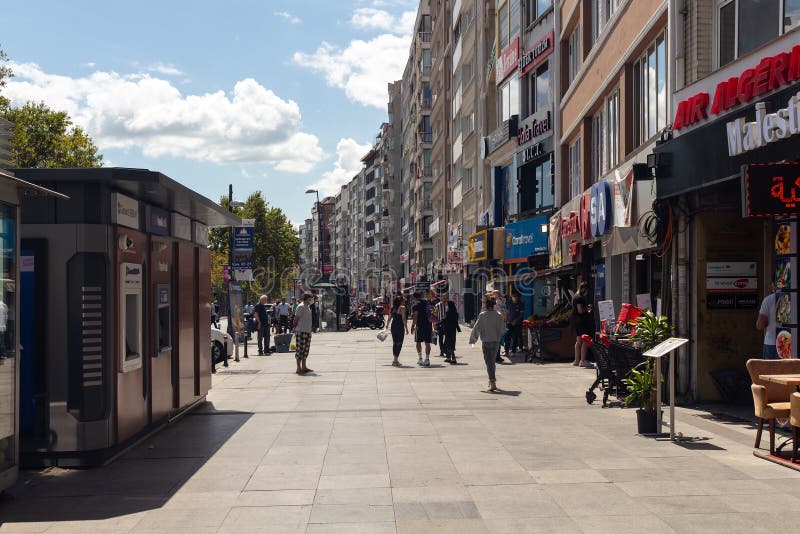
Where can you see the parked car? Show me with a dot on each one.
(221, 343)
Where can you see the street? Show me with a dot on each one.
(360, 446)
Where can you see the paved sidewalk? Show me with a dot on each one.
(360, 446)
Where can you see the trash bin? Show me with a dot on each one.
(282, 342)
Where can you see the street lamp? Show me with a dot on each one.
(319, 230)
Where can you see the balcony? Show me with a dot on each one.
(426, 70)
(426, 137)
(425, 37)
(427, 171)
(425, 103)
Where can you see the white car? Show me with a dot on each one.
(220, 344)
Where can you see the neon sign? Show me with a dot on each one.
(771, 189)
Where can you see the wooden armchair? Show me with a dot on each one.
(770, 401)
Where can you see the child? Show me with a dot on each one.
(489, 327)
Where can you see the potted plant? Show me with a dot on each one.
(641, 384)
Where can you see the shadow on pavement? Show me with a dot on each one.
(144, 478)
(507, 393)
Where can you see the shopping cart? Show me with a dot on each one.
(540, 336)
(608, 379)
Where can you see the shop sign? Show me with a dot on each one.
(181, 227)
(532, 152)
(585, 220)
(124, 211)
(539, 125)
(721, 285)
(526, 238)
(507, 130)
(452, 235)
(433, 227)
(537, 54)
(770, 74)
(478, 249)
(731, 301)
(574, 251)
(768, 127)
(600, 214)
(623, 199)
(731, 268)
(508, 60)
(157, 221)
(771, 189)
(455, 257)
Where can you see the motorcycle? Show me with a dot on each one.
(365, 320)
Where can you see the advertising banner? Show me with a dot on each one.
(526, 238)
(235, 306)
(623, 198)
(555, 241)
(243, 239)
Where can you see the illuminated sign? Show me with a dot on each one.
(771, 189)
(770, 74)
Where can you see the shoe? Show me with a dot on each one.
(395, 364)
(427, 363)
(492, 385)
(452, 361)
(587, 365)
(420, 362)
(576, 363)
(261, 353)
(499, 360)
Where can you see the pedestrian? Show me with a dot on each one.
(283, 316)
(500, 307)
(315, 314)
(275, 317)
(768, 322)
(262, 324)
(513, 339)
(214, 314)
(448, 326)
(301, 324)
(422, 329)
(583, 322)
(399, 327)
(489, 328)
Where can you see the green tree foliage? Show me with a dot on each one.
(276, 247)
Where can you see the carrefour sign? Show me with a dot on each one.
(526, 238)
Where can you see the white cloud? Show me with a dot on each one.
(167, 70)
(249, 125)
(363, 68)
(348, 163)
(288, 16)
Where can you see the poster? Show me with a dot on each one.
(622, 190)
(783, 343)
(235, 306)
(783, 239)
(555, 241)
(605, 309)
(783, 309)
(783, 273)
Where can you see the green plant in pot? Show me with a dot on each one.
(641, 383)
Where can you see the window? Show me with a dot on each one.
(744, 25)
(612, 130)
(536, 187)
(507, 23)
(537, 8)
(597, 146)
(508, 99)
(650, 91)
(575, 168)
(573, 54)
(468, 179)
(468, 124)
(602, 11)
(468, 71)
(542, 94)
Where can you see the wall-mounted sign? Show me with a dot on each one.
(537, 126)
(768, 128)
(722, 285)
(731, 301)
(530, 153)
(771, 189)
(585, 218)
(157, 221)
(478, 248)
(770, 74)
(507, 130)
(181, 227)
(600, 215)
(125, 211)
(200, 233)
(731, 268)
(537, 54)
(508, 60)
(526, 238)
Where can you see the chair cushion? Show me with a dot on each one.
(776, 409)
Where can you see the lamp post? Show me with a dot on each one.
(231, 271)
(319, 229)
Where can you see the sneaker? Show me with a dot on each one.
(452, 361)
(499, 360)
(395, 364)
(587, 365)
(420, 362)
(427, 363)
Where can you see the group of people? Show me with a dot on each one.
(282, 318)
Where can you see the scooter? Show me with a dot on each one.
(366, 320)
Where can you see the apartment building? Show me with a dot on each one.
(306, 245)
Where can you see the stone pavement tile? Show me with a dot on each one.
(280, 477)
(754, 503)
(222, 482)
(724, 523)
(494, 473)
(685, 504)
(354, 481)
(173, 530)
(789, 486)
(568, 476)
(591, 499)
(310, 455)
(430, 494)
(451, 526)
(407, 511)
(447, 477)
(351, 468)
(275, 498)
(514, 502)
(623, 524)
(373, 496)
(352, 528)
(351, 513)
(167, 519)
(280, 519)
(539, 525)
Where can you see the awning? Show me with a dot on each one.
(27, 185)
(532, 275)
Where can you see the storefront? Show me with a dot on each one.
(525, 253)
(732, 165)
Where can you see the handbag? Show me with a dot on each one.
(382, 335)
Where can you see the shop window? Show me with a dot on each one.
(650, 91)
(538, 90)
(744, 25)
(575, 168)
(597, 146)
(535, 187)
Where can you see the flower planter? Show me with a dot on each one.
(646, 421)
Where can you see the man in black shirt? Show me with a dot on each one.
(262, 322)
(583, 321)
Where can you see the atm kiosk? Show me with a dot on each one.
(123, 330)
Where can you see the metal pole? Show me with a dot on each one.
(233, 332)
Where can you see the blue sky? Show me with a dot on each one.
(266, 95)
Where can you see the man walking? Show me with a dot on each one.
(448, 324)
(489, 328)
(515, 312)
(422, 329)
(767, 321)
(262, 324)
(302, 334)
(283, 316)
(315, 314)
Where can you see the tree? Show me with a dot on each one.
(276, 247)
(44, 138)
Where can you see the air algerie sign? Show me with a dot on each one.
(768, 127)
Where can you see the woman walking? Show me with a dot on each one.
(399, 327)
(489, 327)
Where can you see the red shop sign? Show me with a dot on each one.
(770, 74)
(508, 60)
(585, 217)
(536, 55)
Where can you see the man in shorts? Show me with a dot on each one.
(422, 329)
(583, 322)
(302, 334)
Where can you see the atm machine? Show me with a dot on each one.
(160, 321)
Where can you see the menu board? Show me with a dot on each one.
(786, 285)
